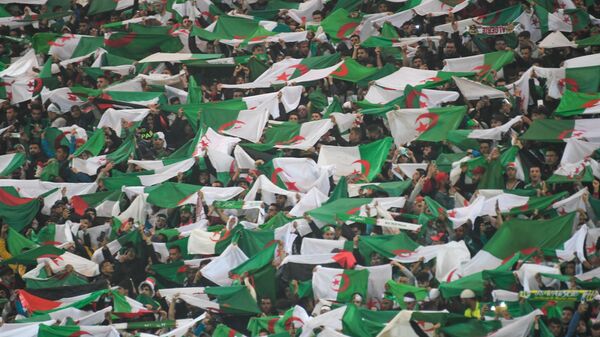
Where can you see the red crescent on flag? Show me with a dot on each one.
(569, 133)
(404, 252)
(482, 69)
(234, 124)
(422, 127)
(341, 71)
(36, 83)
(120, 42)
(301, 68)
(274, 175)
(341, 33)
(411, 96)
(591, 103)
(182, 269)
(449, 277)
(258, 38)
(271, 324)
(79, 333)
(353, 210)
(291, 320)
(365, 164)
(344, 283)
(215, 236)
(569, 83)
(292, 141)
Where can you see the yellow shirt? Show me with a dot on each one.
(473, 313)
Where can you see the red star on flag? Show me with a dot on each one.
(452, 213)
(283, 76)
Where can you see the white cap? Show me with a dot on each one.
(161, 135)
(347, 105)
(54, 108)
(433, 294)
(467, 293)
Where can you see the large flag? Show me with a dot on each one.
(11, 162)
(576, 103)
(297, 174)
(99, 6)
(150, 177)
(363, 160)
(502, 17)
(291, 135)
(483, 65)
(142, 41)
(294, 70)
(245, 124)
(70, 46)
(91, 165)
(520, 236)
(553, 130)
(105, 203)
(339, 284)
(115, 119)
(82, 330)
(16, 211)
(420, 78)
(431, 125)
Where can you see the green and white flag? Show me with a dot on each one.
(483, 65)
(523, 236)
(363, 160)
(106, 203)
(82, 330)
(91, 165)
(430, 125)
(114, 119)
(553, 130)
(418, 78)
(499, 18)
(339, 284)
(150, 177)
(11, 162)
(577, 103)
(71, 46)
(290, 135)
(99, 6)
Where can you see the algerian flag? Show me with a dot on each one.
(171, 195)
(127, 307)
(290, 135)
(400, 325)
(378, 277)
(576, 103)
(218, 269)
(81, 330)
(576, 77)
(353, 209)
(205, 243)
(556, 40)
(142, 41)
(58, 263)
(499, 18)
(245, 124)
(94, 144)
(16, 211)
(352, 71)
(460, 137)
(578, 150)
(213, 140)
(114, 118)
(398, 80)
(472, 90)
(582, 171)
(294, 70)
(340, 25)
(11, 162)
(105, 6)
(553, 130)
(115, 245)
(431, 125)
(150, 177)
(481, 64)
(23, 67)
(53, 234)
(91, 165)
(63, 97)
(16, 243)
(105, 203)
(516, 236)
(305, 10)
(518, 327)
(70, 46)
(365, 160)
(297, 174)
(339, 284)
(225, 331)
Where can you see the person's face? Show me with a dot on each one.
(160, 222)
(203, 177)
(329, 235)
(535, 174)
(526, 54)
(315, 116)
(158, 143)
(357, 301)
(500, 45)
(11, 114)
(382, 8)
(185, 216)
(83, 26)
(272, 211)
(293, 118)
(511, 173)
(61, 154)
(376, 259)
(280, 199)
(238, 94)
(34, 149)
(108, 268)
(570, 269)
(523, 41)
(265, 305)
(146, 290)
(484, 148)
(459, 232)
(551, 158)
(259, 50)
(36, 114)
(450, 48)
(581, 327)
(411, 305)
(387, 304)
(362, 54)
(417, 62)
(304, 48)
(84, 224)
(174, 255)
(102, 82)
(566, 316)
(355, 40)
(354, 136)
(556, 329)
(317, 17)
